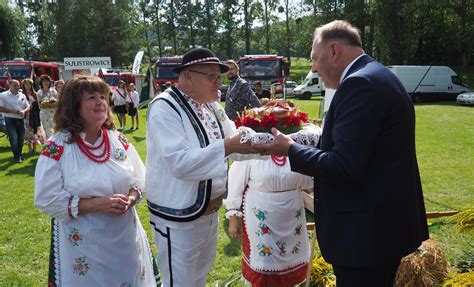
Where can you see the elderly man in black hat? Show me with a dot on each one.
(187, 146)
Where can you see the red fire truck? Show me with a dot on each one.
(112, 78)
(20, 69)
(163, 72)
(268, 69)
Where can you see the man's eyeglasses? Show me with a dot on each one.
(211, 77)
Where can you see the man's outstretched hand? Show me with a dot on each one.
(279, 146)
(232, 144)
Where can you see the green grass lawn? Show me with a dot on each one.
(445, 134)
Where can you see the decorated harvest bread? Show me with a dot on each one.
(281, 114)
(48, 103)
(280, 108)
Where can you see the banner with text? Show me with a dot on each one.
(87, 63)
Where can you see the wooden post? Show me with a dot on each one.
(437, 214)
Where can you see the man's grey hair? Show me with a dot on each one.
(338, 30)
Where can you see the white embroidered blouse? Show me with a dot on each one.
(94, 249)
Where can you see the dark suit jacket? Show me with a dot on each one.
(368, 199)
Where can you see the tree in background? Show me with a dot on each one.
(248, 21)
(12, 37)
(267, 17)
(393, 31)
(158, 25)
(356, 12)
(209, 22)
(287, 25)
(96, 28)
(143, 27)
(40, 30)
(187, 18)
(433, 33)
(420, 32)
(171, 24)
(227, 40)
(286, 34)
(463, 17)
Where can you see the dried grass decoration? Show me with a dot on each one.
(322, 274)
(464, 279)
(427, 266)
(464, 220)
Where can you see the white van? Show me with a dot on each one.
(312, 85)
(429, 82)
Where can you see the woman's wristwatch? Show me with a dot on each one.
(139, 191)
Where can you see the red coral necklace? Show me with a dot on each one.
(88, 150)
(279, 160)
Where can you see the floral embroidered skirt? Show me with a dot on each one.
(275, 244)
(46, 115)
(34, 138)
(101, 250)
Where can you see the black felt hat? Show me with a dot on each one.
(200, 56)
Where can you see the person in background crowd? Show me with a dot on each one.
(260, 92)
(34, 134)
(239, 94)
(58, 86)
(369, 209)
(89, 178)
(186, 175)
(14, 106)
(37, 84)
(134, 98)
(120, 98)
(47, 99)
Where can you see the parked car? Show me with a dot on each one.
(289, 87)
(466, 99)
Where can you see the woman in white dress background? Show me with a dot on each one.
(275, 246)
(47, 98)
(134, 100)
(120, 98)
(88, 179)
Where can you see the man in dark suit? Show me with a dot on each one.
(369, 209)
